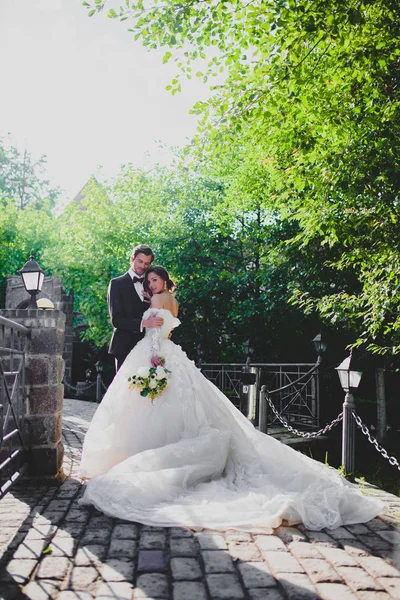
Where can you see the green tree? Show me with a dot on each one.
(22, 179)
(314, 87)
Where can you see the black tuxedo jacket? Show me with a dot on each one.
(126, 310)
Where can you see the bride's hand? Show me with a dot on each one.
(146, 296)
(156, 361)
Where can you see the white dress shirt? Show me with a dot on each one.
(138, 284)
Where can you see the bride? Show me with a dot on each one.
(190, 458)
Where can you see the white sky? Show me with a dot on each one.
(82, 92)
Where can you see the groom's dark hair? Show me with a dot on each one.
(143, 249)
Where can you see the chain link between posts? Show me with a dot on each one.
(392, 459)
(307, 434)
(80, 388)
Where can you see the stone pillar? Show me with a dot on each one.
(44, 390)
(52, 289)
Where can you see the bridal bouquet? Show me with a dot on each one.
(150, 381)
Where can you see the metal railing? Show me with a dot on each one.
(293, 388)
(12, 402)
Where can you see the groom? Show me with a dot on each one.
(126, 305)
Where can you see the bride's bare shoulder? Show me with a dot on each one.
(165, 300)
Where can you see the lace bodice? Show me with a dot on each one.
(170, 322)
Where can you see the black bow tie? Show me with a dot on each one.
(135, 279)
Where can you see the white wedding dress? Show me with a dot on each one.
(192, 459)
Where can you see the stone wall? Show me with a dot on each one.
(16, 295)
(44, 371)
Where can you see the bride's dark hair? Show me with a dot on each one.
(161, 272)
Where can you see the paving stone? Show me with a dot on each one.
(358, 528)
(53, 567)
(76, 515)
(118, 569)
(41, 590)
(83, 578)
(377, 567)
(30, 549)
(58, 505)
(151, 560)
(337, 557)
(180, 532)
(152, 541)
(224, 587)
(356, 548)
(183, 547)
(63, 546)
(125, 531)
(391, 585)
(119, 548)
(185, 568)
(232, 535)
(374, 542)
(121, 590)
(41, 532)
(246, 551)
(340, 533)
(298, 586)
(17, 571)
(358, 579)
(211, 541)
(265, 594)
(93, 536)
(90, 555)
(189, 590)
(335, 591)
(151, 585)
(304, 550)
(75, 595)
(55, 517)
(282, 562)
(217, 561)
(322, 539)
(393, 537)
(270, 543)
(256, 575)
(377, 524)
(98, 520)
(70, 529)
(290, 534)
(320, 570)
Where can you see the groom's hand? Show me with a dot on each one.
(153, 322)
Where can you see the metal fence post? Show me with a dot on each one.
(348, 435)
(263, 411)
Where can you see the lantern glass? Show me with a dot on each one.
(33, 281)
(349, 376)
(319, 344)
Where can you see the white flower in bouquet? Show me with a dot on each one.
(160, 373)
(150, 381)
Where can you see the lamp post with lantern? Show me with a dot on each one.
(32, 276)
(350, 376)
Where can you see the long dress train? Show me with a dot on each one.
(192, 459)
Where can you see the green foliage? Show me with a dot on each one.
(312, 88)
(22, 181)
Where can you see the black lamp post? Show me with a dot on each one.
(99, 369)
(350, 376)
(319, 346)
(248, 350)
(32, 276)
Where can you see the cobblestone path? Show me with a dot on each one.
(52, 548)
